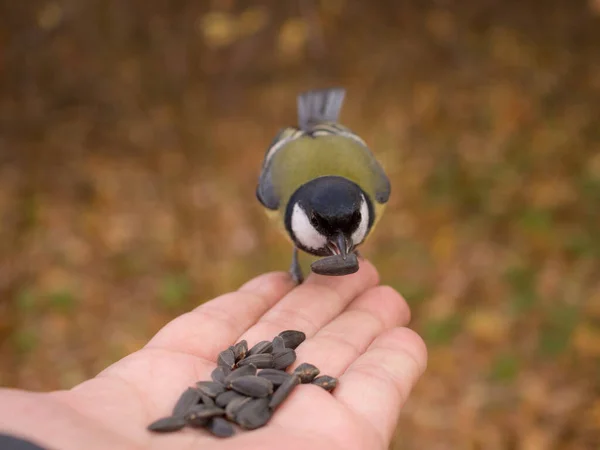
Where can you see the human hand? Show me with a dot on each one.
(354, 331)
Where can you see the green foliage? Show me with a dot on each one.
(439, 332)
(555, 334)
(174, 290)
(24, 341)
(521, 280)
(62, 301)
(505, 367)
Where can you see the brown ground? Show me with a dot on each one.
(130, 139)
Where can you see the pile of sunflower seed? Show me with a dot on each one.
(247, 386)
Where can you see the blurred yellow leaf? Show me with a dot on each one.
(50, 16)
(293, 36)
(594, 164)
(252, 21)
(490, 326)
(587, 340)
(333, 7)
(218, 28)
(444, 244)
(595, 6)
(440, 24)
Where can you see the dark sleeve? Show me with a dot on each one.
(14, 443)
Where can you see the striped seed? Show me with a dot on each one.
(254, 414)
(307, 372)
(326, 382)
(260, 361)
(210, 388)
(167, 424)
(189, 398)
(275, 376)
(261, 347)
(252, 386)
(249, 369)
(284, 391)
(292, 338)
(220, 427)
(226, 358)
(284, 358)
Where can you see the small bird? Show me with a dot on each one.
(322, 185)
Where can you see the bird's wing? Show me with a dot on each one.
(265, 191)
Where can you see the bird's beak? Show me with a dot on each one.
(342, 245)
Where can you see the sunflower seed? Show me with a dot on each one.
(261, 347)
(219, 374)
(249, 369)
(275, 376)
(261, 361)
(200, 414)
(166, 424)
(223, 399)
(240, 349)
(284, 391)
(210, 388)
(220, 427)
(207, 401)
(307, 372)
(326, 382)
(252, 386)
(234, 406)
(226, 358)
(336, 265)
(278, 344)
(254, 414)
(284, 358)
(292, 338)
(189, 398)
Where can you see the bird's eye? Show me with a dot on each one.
(314, 220)
(356, 216)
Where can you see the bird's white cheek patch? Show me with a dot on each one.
(361, 232)
(305, 233)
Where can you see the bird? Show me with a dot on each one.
(322, 185)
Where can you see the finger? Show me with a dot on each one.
(344, 339)
(313, 304)
(378, 383)
(213, 326)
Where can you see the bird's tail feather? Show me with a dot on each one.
(318, 106)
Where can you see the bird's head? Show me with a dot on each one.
(329, 215)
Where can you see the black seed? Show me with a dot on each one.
(336, 265)
(249, 369)
(207, 401)
(210, 388)
(223, 399)
(284, 358)
(252, 386)
(234, 406)
(275, 376)
(190, 397)
(240, 350)
(199, 413)
(284, 391)
(292, 338)
(167, 424)
(254, 414)
(306, 372)
(261, 347)
(278, 344)
(220, 427)
(219, 374)
(326, 382)
(260, 361)
(226, 358)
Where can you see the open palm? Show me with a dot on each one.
(354, 332)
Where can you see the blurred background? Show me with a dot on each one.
(131, 136)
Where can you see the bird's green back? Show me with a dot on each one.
(308, 157)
